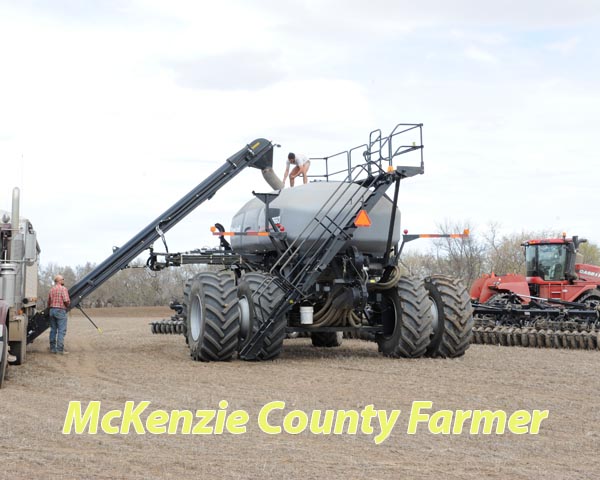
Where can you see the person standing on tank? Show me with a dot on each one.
(58, 302)
(301, 165)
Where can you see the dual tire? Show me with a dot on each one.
(212, 319)
(431, 318)
(221, 317)
(404, 311)
(452, 317)
(419, 318)
(259, 295)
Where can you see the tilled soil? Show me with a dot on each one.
(127, 362)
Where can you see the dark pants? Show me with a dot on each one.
(58, 329)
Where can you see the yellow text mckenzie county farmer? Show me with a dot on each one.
(274, 418)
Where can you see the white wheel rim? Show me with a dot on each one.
(196, 315)
(435, 314)
(244, 309)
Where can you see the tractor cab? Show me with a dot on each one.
(551, 260)
(546, 261)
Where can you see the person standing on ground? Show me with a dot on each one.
(301, 166)
(58, 302)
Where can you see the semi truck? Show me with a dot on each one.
(19, 258)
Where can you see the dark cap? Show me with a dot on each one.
(291, 156)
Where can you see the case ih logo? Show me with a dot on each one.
(591, 274)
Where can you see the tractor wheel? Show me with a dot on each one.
(405, 313)
(591, 298)
(326, 339)
(3, 352)
(258, 295)
(212, 317)
(452, 317)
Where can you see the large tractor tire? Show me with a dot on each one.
(212, 317)
(591, 298)
(327, 339)
(3, 352)
(258, 295)
(452, 316)
(405, 313)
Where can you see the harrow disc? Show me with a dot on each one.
(504, 336)
(524, 337)
(532, 337)
(477, 335)
(173, 326)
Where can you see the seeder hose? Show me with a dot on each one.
(328, 316)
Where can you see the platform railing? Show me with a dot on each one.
(376, 155)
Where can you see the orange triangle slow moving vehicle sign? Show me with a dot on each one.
(362, 219)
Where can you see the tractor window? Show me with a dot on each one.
(531, 261)
(551, 261)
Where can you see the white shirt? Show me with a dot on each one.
(301, 159)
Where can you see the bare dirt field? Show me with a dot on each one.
(127, 362)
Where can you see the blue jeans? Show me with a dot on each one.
(58, 329)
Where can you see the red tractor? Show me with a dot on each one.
(555, 305)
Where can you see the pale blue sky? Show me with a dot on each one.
(112, 110)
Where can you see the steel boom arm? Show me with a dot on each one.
(258, 154)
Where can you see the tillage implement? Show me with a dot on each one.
(556, 305)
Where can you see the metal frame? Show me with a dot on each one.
(298, 268)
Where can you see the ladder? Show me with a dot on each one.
(327, 233)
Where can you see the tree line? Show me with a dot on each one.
(466, 258)
(132, 286)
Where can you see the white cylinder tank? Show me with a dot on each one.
(295, 209)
